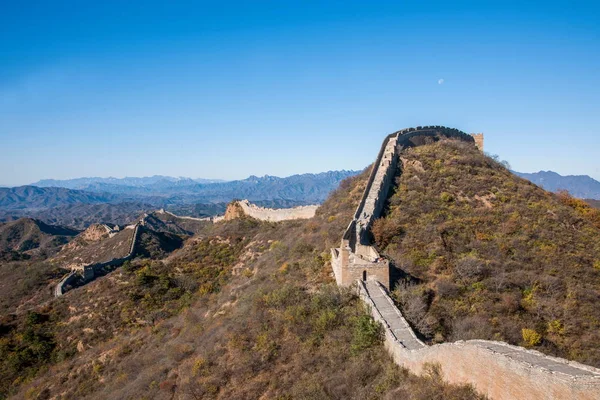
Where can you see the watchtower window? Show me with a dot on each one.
(364, 276)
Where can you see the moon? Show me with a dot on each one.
(440, 81)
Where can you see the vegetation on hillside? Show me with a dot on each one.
(593, 203)
(246, 309)
(492, 256)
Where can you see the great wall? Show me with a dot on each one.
(497, 369)
(244, 207)
(89, 272)
(235, 209)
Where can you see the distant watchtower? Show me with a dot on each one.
(478, 140)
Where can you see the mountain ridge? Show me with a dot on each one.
(582, 186)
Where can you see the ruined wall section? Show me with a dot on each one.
(88, 272)
(240, 208)
(478, 140)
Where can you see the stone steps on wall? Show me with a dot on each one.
(398, 325)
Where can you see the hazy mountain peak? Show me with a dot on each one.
(583, 186)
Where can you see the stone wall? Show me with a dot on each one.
(358, 257)
(496, 369)
(88, 272)
(239, 208)
(68, 279)
(478, 140)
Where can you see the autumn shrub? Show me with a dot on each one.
(531, 337)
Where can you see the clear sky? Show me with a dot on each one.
(233, 88)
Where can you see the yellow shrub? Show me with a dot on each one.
(446, 197)
(284, 268)
(531, 337)
(556, 327)
(199, 367)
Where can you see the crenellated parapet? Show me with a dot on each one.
(497, 369)
(357, 257)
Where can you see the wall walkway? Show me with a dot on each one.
(497, 369)
(88, 272)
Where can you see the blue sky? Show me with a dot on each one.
(230, 89)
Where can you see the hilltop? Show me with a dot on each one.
(489, 255)
(26, 237)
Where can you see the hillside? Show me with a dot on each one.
(162, 221)
(246, 309)
(25, 245)
(97, 245)
(489, 255)
(582, 186)
(32, 197)
(28, 237)
(82, 215)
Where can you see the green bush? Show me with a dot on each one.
(366, 334)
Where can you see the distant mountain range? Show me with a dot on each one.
(594, 203)
(164, 190)
(35, 198)
(582, 186)
(156, 181)
(80, 202)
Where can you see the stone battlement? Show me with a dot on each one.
(478, 140)
(357, 257)
(497, 369)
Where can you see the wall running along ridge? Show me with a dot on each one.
(357, 257)
(88, 272)
(497, 369)
(243, 207)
